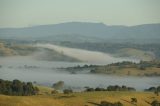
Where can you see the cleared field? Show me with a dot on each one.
(79, 99)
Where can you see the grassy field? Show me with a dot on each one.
(78, 99)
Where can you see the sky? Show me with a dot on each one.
(24, 13)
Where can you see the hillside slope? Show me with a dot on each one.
(30, 50)
(135, 53)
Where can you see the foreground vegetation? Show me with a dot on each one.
(81, 99)
(17, 87)
(45, 96)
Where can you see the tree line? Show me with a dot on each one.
(111, 88)
(17, 87)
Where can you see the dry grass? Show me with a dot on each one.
(79, 99)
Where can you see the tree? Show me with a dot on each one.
(156, 92)
(17, 87)
(67, 91)
(58, 85)
(90, 89)
(99, 89)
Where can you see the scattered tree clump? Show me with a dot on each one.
(111, 88)
(119, 88)
(17, 87)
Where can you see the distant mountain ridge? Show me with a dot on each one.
(83, 31)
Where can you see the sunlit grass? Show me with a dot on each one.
(79, 99)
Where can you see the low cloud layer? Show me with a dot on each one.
(85, 55)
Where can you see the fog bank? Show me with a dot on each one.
(93, 57)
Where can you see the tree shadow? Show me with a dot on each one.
(147, 102)
(128, 102)
(66, 96)
(93, 103)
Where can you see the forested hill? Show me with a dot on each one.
(84, 31)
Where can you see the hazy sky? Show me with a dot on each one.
(22, 13)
